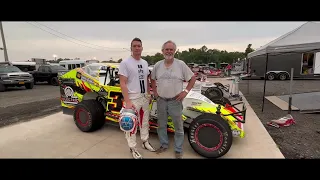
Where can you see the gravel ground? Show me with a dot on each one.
(298, 141)
(20, 105)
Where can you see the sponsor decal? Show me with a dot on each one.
(69, 97)
(78, 75)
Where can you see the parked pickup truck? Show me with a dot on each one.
(48, 73)
(11, 76)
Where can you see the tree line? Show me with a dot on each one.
(193, 55)
(203, 55)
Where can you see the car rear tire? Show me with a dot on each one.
(223, 101)
(213, 93)
(210, 136)
(218, 84)
(89, 115)
(54, 81)
(221, 86)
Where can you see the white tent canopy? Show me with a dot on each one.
(304, 38)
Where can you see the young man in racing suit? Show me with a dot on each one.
(133, 73)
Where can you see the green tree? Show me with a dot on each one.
(202, 55)
(248, 50)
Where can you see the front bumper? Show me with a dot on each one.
(14, 82)
(238, 113)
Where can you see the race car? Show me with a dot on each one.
(212, 71)
(95, 100)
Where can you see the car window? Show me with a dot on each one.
(9, 69)
(57, 68)
(46, 69)
(40, 69)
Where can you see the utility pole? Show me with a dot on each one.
(6, 59)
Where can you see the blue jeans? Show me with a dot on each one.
(173, 109)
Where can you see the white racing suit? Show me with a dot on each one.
(142, 107)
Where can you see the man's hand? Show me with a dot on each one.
(155, 95)
(181, 96)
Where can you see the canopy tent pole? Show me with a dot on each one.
(265, 81)
(290, 92)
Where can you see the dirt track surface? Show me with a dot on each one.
(19, 104)
(298, 141)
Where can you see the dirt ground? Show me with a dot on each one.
(20, 104)
(299, 141)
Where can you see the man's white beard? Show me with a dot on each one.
(168, 56)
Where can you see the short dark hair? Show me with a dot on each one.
(136, 39)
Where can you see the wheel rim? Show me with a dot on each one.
(283, 77)
(270, 76)
(82, 117)
(209, 130)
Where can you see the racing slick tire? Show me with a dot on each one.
(210, 136)
(223, 101)
(213, 93)
(219, 85)
(89, 115)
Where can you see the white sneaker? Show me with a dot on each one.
(147, 145)
(135, 153)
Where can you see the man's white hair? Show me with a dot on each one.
(174, 44)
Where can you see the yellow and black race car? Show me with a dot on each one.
(92, 94)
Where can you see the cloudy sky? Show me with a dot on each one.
(105, 40)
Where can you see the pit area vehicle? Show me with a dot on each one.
(12, 76)
(211, 90)
(212, 71)
(48, 73)
(24, 66)
(97, 100)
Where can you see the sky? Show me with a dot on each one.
(105, 40)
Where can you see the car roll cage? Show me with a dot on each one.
(109, 72)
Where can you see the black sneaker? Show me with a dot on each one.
(179, 155)
(161, 150)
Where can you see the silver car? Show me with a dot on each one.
(11, 76)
